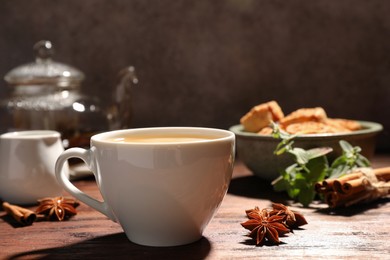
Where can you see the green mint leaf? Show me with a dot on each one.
(342, 160)
(306, 196)
(345, 146)
(348, 161)
(293, 192)
(318, 152)
(301, 156)
(280, 184)
(362, 161)
(317, 170)
(336, 172)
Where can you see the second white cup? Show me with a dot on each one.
(27, 160)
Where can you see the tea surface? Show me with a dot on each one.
(163, 138)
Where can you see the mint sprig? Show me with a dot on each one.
(348, 161)
(311, 166)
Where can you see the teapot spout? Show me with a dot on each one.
(121, 111)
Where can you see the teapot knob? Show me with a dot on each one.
(43, 50)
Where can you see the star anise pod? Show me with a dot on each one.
(249, 211)
(292, 218)
(58, 208)
(264, 227)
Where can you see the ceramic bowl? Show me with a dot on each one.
(257, 151)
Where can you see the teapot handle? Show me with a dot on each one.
(121, 112)
(127, 78)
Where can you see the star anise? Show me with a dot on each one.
(58, 208)
(264, 227)
(292, 218)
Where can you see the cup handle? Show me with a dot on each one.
(88, 158)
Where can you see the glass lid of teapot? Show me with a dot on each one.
(45, 71)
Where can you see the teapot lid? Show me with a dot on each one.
(45, 71)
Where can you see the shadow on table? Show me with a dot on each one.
(117, 246)
(255, 187)
(354, 209)
(11, 221)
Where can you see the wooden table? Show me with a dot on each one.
(359, 232)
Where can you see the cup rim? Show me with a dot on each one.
(221, 135)
(30, 134)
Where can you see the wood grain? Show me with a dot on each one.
(360, 232)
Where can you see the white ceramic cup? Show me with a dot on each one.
(27, 160)
(161, 193)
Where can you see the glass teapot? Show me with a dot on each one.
(46, 95)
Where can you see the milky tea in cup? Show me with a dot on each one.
(162, 185)
(160, 138)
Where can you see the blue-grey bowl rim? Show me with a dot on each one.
(368, 128)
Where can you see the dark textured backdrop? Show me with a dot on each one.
(205, 63)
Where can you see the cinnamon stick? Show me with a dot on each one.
(383, 174)
(363, 185)
(328, 183)
(324, 186)
(21, 215)
(335, 199)
(351, 186)
(348, 177)
(332, 199)
(319, 188)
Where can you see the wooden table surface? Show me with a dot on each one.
(360, 232)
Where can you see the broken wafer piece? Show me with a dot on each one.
(316, 114)
(343, 124)
(266, 131)
(261, 116)
(312, 127)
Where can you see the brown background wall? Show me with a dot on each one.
(206, 63)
